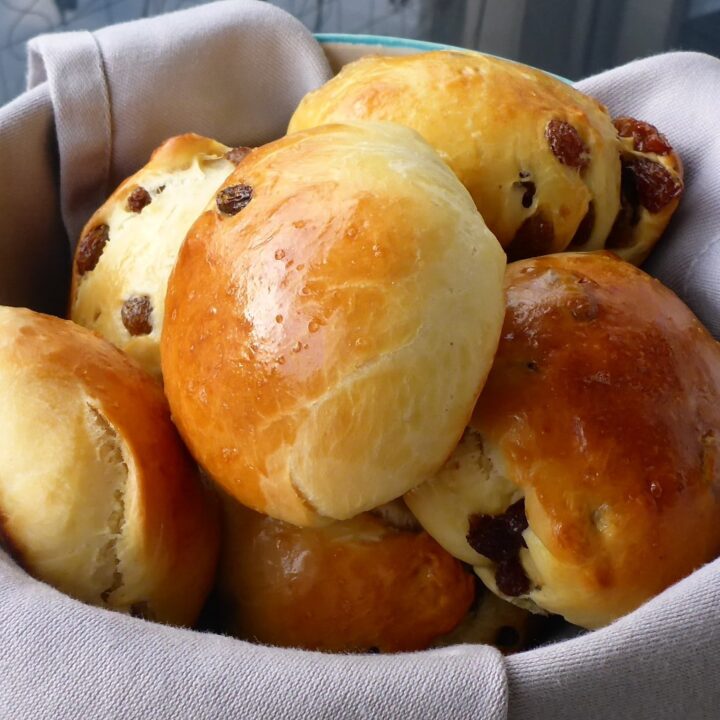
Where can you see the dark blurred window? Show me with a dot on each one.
(570, 37)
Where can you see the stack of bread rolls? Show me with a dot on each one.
(401, 441)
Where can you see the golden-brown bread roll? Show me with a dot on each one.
(540, 159)
(98, 496)
(128, 247)
(588, 479)
(329, 324)
(353, 586)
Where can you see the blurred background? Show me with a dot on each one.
(573, 38)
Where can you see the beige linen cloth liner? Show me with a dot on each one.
(96, 105)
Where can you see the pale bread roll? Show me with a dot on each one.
(128, 247)
(541, 160)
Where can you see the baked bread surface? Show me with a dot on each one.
(592, 455)
(353, 586)
(128, 247)
(98, 496)
(330, 322)
(542, 161)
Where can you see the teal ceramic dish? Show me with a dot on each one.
(354, 46)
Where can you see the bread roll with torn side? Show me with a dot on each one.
(98, 496)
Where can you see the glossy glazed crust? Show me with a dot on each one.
(180, 179)
(324, 346)
(603, 409)
(98, 495)
(488, 119)
(352, 586)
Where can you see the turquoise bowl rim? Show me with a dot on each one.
(386, 41)
(407, 43)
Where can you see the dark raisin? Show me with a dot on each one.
(516, 519)
(646, 137)
(135, 315)
(534, 237)
(629, 197)
(141, 610)
(566, 144)
(585, 228)
(232, 199)
(528, 188)
(511, 579)
(237, 154)
(138, 199)
(498, 537)
(507, 637)
(622, 233)
(90, 248)
(653, 184)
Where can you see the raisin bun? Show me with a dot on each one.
(358, 585)
(588, 479)
(330, 322)
(541, 160)
(98, 496)
(128, 247)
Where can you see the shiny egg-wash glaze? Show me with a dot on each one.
(353, 585)
(602, 411)
(330, 323)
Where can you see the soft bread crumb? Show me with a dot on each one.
(109, 449)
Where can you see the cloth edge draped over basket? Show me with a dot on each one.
(96, 106)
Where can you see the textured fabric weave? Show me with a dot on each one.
(97, 104)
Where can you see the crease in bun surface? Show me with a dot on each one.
(98, 496)
(327, 335)
(128, 247)
(542, 161)
(587, 480)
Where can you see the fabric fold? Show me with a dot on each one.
(232, 70)
(72, 65)
(235, 70)
(676, 92)
(62, 660)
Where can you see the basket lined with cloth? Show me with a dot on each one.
(96, 105)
